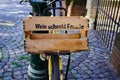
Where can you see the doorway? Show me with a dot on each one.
(76, 7)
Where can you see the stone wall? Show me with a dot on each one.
(91, 12)
(115, 56)
(85, 8)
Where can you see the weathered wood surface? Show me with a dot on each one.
(55, 45)
(55, 36)
(29, 34)
(55, 23)
(37, 42)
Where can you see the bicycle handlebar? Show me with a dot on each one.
(54, 8)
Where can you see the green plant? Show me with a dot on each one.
(28, 58)
(21, 45)
(16, 64)
(22, 57)
(2, 54)
(8, 55)
(14, 41)
(2, 76)
(12, 72)
(70, 69)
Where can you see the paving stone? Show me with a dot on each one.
(97, 79)
(19, 77)
(1, 75)
(85, 76)
(81, 79)
(76, 56)
(72, 79)
(88, 71)
(81, 60)
(95, 61)
(73, 71)
(92, 64)
(73, 58)
(106, 73)
(25, 67)
(8, 74)
(17, 73)
(101, 75)
(93, 75)
(11, 60)
(24, 71)
(77, 68)
(7, 78)
(12, 56)
(1, 71)
(6, 55)
(27, 63)
(92, 68)
(77, 75)
(9, 69)
(6, 66)
(2, 63)
(1, 67)
(88, 79)
(18, 69)
(90, 59)
(25, 76)
(69, 73)
(80, 71)
(84, 68)
(2, 45)
(23, 64)
(5, 51)
(24, 60)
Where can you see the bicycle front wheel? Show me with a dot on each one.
(55, 67)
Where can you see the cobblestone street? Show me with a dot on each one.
(88, 65)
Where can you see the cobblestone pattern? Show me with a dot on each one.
(88, 65)
(13, 60)
(93, 64)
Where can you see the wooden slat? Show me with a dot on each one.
(64, 23)
(29, 34)
(55, 45)
(84, 33)
(55, 36)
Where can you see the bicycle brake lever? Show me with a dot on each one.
(20, 1)
(23, 1)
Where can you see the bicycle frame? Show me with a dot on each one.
(49, 8)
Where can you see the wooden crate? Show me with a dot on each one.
(37, 42)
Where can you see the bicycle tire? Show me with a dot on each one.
(55, 67)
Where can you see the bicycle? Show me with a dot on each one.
(54, 59)
(55, 69)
